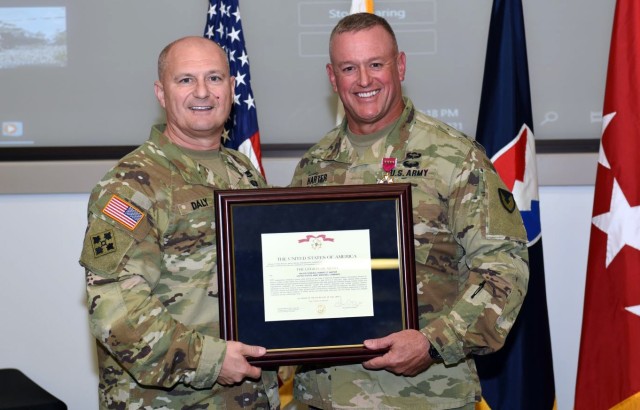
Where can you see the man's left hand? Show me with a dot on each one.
(407, 353)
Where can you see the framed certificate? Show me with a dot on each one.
(310, 273)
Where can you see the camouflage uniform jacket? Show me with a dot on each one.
(471, 261)
(152, 289)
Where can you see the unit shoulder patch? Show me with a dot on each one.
(105, 246)
(507, 200)
(103, 243)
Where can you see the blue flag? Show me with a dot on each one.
(520, 375)
(224, 26)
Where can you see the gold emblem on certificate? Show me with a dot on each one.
(388, 164)
(315, 241)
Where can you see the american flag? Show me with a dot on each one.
(123, 212)
(224, 26)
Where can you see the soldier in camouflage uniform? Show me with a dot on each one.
(150, 254)
(470, 242)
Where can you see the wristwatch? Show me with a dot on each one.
(433, 353)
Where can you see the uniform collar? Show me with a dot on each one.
(191, 171)
(394, 145)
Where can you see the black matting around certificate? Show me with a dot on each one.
(312, 217)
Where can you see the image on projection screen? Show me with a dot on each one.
(33, 36)
(81, 73)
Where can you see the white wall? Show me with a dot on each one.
(566, 221)
(43, 321)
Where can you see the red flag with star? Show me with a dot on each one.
(609, 362)
(224, 26)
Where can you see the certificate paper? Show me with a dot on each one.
(317, 275)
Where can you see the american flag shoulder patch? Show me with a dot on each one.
(123, 212)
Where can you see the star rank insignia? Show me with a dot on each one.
(103, 243)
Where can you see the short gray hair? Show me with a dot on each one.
(361, 21)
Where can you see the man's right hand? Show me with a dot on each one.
(235, 367)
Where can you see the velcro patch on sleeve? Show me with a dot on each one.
(503, 218)
(104, 247)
